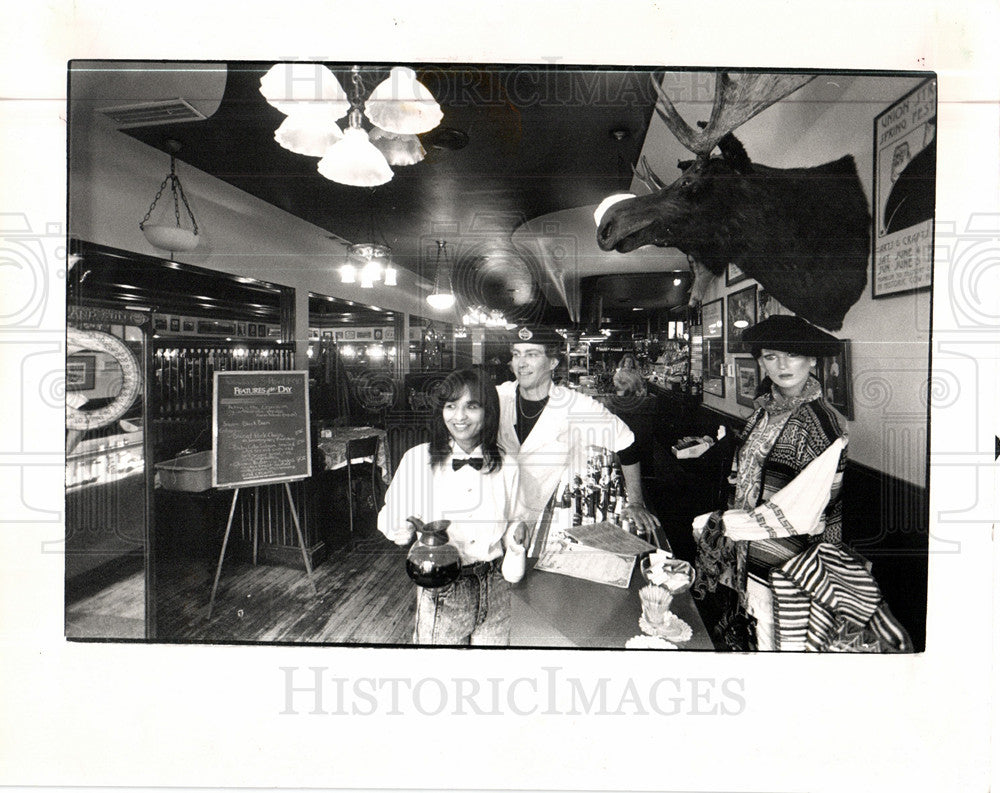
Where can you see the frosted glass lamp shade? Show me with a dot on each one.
(402, 105)
(309, 131)
(441, 301)
(170, 238)
(292, 86)
(397, 149)
(371, 272)
(354, 161)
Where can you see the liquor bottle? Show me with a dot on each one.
(576, 499)
(563, 509)
(589, 503)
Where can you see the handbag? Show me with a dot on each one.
(736, 630)
(717, 574)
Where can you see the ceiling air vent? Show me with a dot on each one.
(144, 114)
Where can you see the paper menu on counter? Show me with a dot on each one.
(609, 537)
(591, 564)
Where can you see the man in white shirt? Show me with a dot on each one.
(548, 428)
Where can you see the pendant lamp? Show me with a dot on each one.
(292, 87)
(401, 104)
(173, 237)
(441, 299)
(353, 160)
(310, 131)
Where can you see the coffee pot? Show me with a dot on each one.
(432, 561)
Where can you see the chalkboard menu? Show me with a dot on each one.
(260, 428)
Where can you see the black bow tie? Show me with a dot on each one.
(476, 463)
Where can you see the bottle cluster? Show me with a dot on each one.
(597, 496)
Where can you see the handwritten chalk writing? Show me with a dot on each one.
(261, 422)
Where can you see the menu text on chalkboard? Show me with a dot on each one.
(260, 428)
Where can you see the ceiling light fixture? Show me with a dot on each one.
(439, 299)
(480, 316)
(313, 99)
(368, 262)
(397, 149)
(171, 237)
(402, 105)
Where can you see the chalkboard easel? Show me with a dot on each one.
(260, 436)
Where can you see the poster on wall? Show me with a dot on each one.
(834, 374)
(741, 313)
(712, 319)
(904, 171)
(713, 365)
(747, 381)
(767, 306)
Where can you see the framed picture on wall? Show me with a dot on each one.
(747, 380)
(741, 313)
(905, 161)
(712, 319)
(834, 374)
(81, 372)
(713, 376)
(377, 334)
(734, 274)
(767, 306)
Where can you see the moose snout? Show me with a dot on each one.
(605, 220)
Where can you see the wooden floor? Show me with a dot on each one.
(361, 597)
(116, 612)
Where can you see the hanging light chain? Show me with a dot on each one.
(175, 188)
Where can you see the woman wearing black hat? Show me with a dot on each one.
(789, 469)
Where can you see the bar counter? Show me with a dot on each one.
(553, 610)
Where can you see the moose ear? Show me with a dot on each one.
(734, 154)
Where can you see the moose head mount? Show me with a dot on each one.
(802, 233)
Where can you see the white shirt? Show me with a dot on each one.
(557, 445)
(478, 504)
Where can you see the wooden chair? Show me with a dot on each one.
(357, 450)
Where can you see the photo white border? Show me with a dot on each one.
(175, 715)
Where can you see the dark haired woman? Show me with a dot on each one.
(789, 469)
(461, 476)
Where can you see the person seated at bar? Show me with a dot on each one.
(461, 476)
(629, 384)
(789, 466)
(628, 363)
(549, 427)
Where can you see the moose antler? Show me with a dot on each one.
(737, 100)
(645, 174)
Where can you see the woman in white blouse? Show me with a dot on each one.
(461, 476)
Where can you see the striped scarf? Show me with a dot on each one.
(826, 600)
